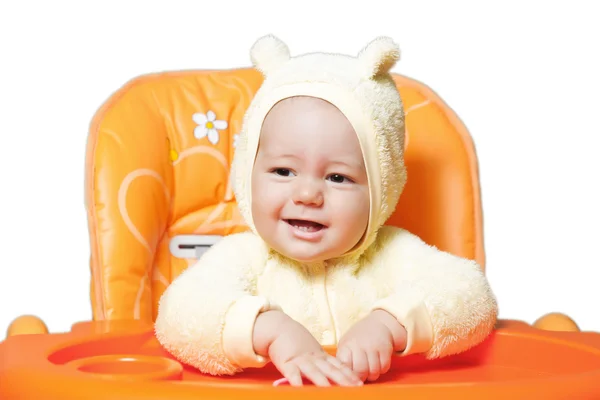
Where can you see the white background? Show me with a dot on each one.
(523, 76)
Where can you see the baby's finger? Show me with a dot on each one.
(335, 374)
(360, 364)
(345, 369)
(345, 356)
(374, 365)
(385, 360)
(292, 373)
(313, 373)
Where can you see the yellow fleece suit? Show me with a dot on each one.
(206, 316)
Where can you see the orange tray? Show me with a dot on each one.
(123, 360)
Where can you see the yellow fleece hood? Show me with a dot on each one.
(361, 88)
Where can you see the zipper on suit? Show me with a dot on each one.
(328, 303)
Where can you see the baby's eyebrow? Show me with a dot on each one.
(288, 155)
(277, 156)
(347, 163)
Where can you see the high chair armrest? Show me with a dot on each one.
(26, 325)
(556, 322)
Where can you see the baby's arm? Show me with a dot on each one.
(444, 302)
(206, 316)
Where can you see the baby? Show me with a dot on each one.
(318, 170)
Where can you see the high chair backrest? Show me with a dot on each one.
(157, 180)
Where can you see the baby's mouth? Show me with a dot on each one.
(306, 226)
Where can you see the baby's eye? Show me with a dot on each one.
(282, 172)
(337, 178)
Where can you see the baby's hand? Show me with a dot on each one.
(368, 346)
(296, 354)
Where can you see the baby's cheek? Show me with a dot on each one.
(262, 190)
(354, 212)
(277, 198)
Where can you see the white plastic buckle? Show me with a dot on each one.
(192, 246)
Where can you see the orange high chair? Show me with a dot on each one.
(158, 194)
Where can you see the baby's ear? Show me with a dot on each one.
(378, 57)
(268, 53)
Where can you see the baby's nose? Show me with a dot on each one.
(308, 192)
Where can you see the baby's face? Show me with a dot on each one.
(310, 195)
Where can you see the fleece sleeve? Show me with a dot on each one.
(444, 302)
(206, 316)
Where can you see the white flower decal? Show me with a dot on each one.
(235, 139)
(208, 125)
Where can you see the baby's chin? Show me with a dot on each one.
(309, 257)
(301, 254)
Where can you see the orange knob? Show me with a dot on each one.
(26, 324)
(556, 322)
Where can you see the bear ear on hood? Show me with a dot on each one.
(378, 57)
(268, 53)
